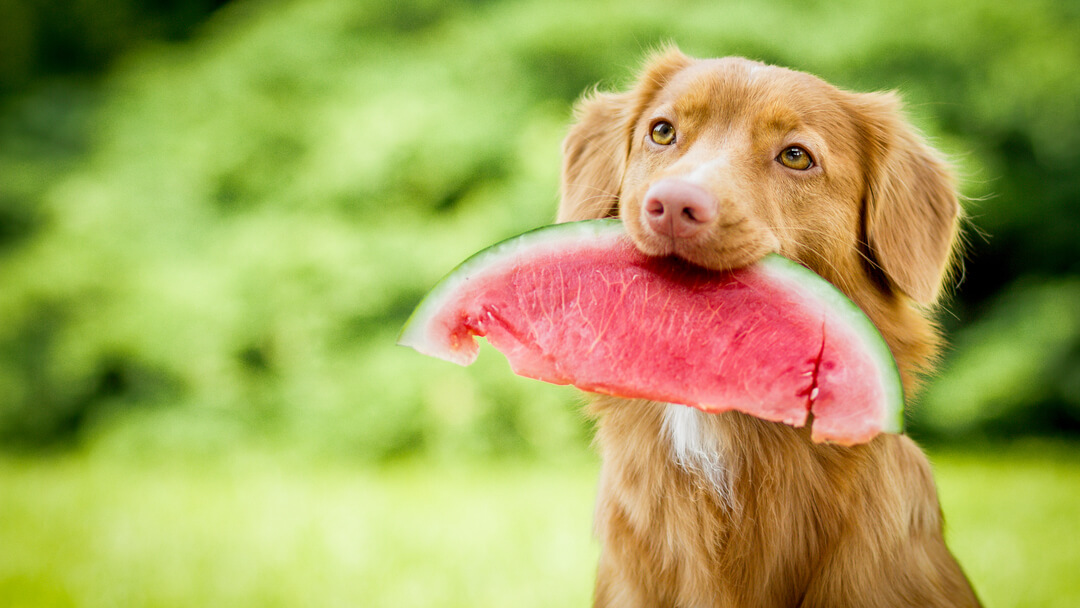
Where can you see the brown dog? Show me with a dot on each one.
(721, 162)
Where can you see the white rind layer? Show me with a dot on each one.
(418, 330)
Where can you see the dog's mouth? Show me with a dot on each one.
(712, 258)
(721, 247)
(681, 218)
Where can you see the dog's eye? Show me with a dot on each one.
(795, 157)
(663, 133)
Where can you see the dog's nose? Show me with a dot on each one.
(678, 208)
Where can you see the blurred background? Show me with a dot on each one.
(215, 216)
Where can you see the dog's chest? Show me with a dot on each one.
(698, 445)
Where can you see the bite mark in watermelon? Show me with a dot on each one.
(578, 304)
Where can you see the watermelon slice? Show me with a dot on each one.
(577, 303)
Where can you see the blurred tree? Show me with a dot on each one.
(40, 38)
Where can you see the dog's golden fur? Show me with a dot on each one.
(782, 521)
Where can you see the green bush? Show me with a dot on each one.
(219, 239)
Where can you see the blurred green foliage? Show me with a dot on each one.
(215, 236)
(70, 37)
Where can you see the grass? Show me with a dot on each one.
(1013, 521)
(258, 531)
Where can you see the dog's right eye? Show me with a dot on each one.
(796, 157)
(663, 133)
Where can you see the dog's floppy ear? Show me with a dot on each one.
(911, 209)
(596, 150)
(594, 157)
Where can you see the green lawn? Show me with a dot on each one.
(258, 531)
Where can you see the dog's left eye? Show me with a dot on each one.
(796, 157)
(663, 133)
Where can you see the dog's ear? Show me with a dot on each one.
(911, 209)
(594, 158)
(596, 150)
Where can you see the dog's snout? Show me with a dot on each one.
(678, 209)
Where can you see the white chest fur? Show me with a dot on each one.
(698, 445)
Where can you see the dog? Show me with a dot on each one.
(721, 162)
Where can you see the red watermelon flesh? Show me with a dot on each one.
(578, 304)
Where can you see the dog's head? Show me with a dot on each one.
(723, 161)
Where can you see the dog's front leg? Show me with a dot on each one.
(622, 586)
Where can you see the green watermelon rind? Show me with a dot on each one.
(856, 320)
(598, 232)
